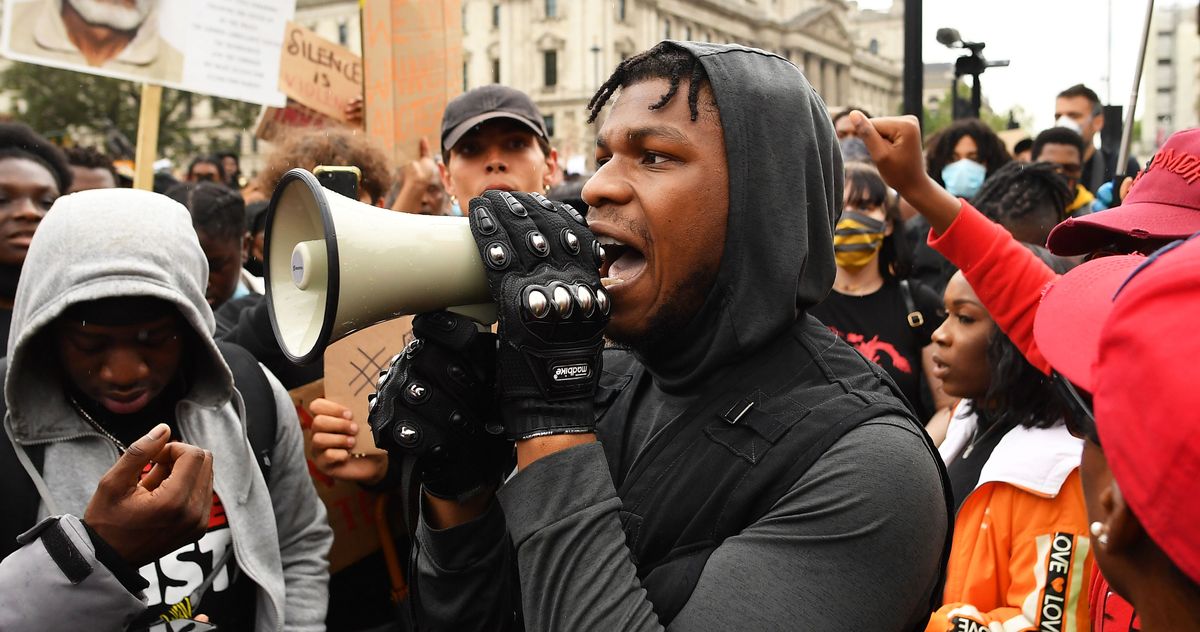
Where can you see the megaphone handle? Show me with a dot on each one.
(482, 313)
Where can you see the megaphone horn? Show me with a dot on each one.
(336, 265)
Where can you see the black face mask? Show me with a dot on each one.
(254, 266)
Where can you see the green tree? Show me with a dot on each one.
(941, 115)
(63, 104)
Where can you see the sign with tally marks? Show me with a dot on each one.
(352, 367)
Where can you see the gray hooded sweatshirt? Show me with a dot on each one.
(120, 242)
(855, 541)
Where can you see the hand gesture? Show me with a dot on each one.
(333, 441)
(143, 520)
(541, 262)
(354, 112)
(895, 146)
(435, 404)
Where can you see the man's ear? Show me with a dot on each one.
(447, 181)
(1123, 527)
(1098, 121)
(551, 167)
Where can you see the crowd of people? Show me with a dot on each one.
(878, 379)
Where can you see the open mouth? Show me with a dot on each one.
(940, 368)
(621, 263)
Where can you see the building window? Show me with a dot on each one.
(687, 33)
(495, 15)
(496, 70)
(343, 33)
(621, 10)
(465, 81)
(666, 29)
(873, 46)
(551, 62)
(549, 121)
(463, 18)
(551, 8)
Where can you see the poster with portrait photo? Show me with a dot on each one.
(223, 48)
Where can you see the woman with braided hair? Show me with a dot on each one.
(874, 306)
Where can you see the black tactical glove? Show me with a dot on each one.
(541, 262)
(435, 403)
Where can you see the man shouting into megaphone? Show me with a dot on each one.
(731, 464)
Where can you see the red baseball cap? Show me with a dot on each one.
(1163, 205)
(1142, 377)
(1073, 309)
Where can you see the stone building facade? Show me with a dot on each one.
(560, 51)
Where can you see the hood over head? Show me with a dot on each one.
(785, 194)
(100, 244)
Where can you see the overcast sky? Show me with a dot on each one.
(1052, 44)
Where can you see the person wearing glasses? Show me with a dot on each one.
(1161, 207)
(1141, 452)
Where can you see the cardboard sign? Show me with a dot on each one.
(318, 73)
(352, 367)
(222, 48)
(274, 124)
(413, 56)
(351, 509)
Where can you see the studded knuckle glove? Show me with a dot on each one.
(435, 404)
(541, 262)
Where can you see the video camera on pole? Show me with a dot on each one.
(973, 64)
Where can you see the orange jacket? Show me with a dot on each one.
(1021, 557)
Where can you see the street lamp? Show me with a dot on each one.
(596, 63)
(973, 63)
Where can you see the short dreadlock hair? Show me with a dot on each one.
(1019, 188)
(665, 61)
(1029, 199)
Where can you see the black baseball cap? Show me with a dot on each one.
(484, 104)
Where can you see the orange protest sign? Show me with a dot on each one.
(318, 73)
(352, 367)
(413, 56)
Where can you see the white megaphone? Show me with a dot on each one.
(335, 265)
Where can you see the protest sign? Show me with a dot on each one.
(413, 57)
(317, 73)
(276, 123)
(352, 367)
(351, 509)
(222, 48)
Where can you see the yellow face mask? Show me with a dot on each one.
(856, 240)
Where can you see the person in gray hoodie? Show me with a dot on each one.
(733, 465)
(111, 334)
